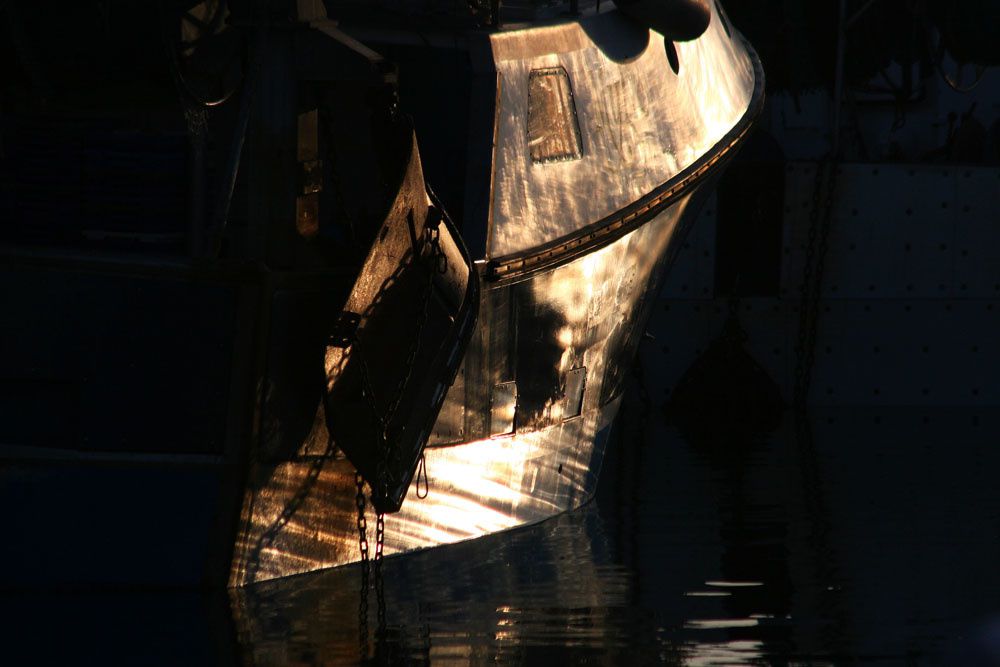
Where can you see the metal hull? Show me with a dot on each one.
(578, 224)
(475, 489)
(548, 465)
(575, 249)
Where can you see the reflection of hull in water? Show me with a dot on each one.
(576, 242)
(555, 583)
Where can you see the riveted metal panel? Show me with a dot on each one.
(868, 352)
(898, 231)
(910, 307)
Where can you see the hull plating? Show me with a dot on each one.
(605, 139)
(588, 314)
(602, 138)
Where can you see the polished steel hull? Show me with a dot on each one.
(605, 139)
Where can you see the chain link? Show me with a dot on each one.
(359, 501)
(379, 582)
(437, 264)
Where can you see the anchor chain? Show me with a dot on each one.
(438, 265)
(438, 262)
(379, 582)
(359, 501)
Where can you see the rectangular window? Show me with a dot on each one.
(573, 400)
(553, 129)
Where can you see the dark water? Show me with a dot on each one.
(876, 541)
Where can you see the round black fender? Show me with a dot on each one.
(678, 20)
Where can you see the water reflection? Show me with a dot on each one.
(552, 588)
(876, 540)
(869, 536)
